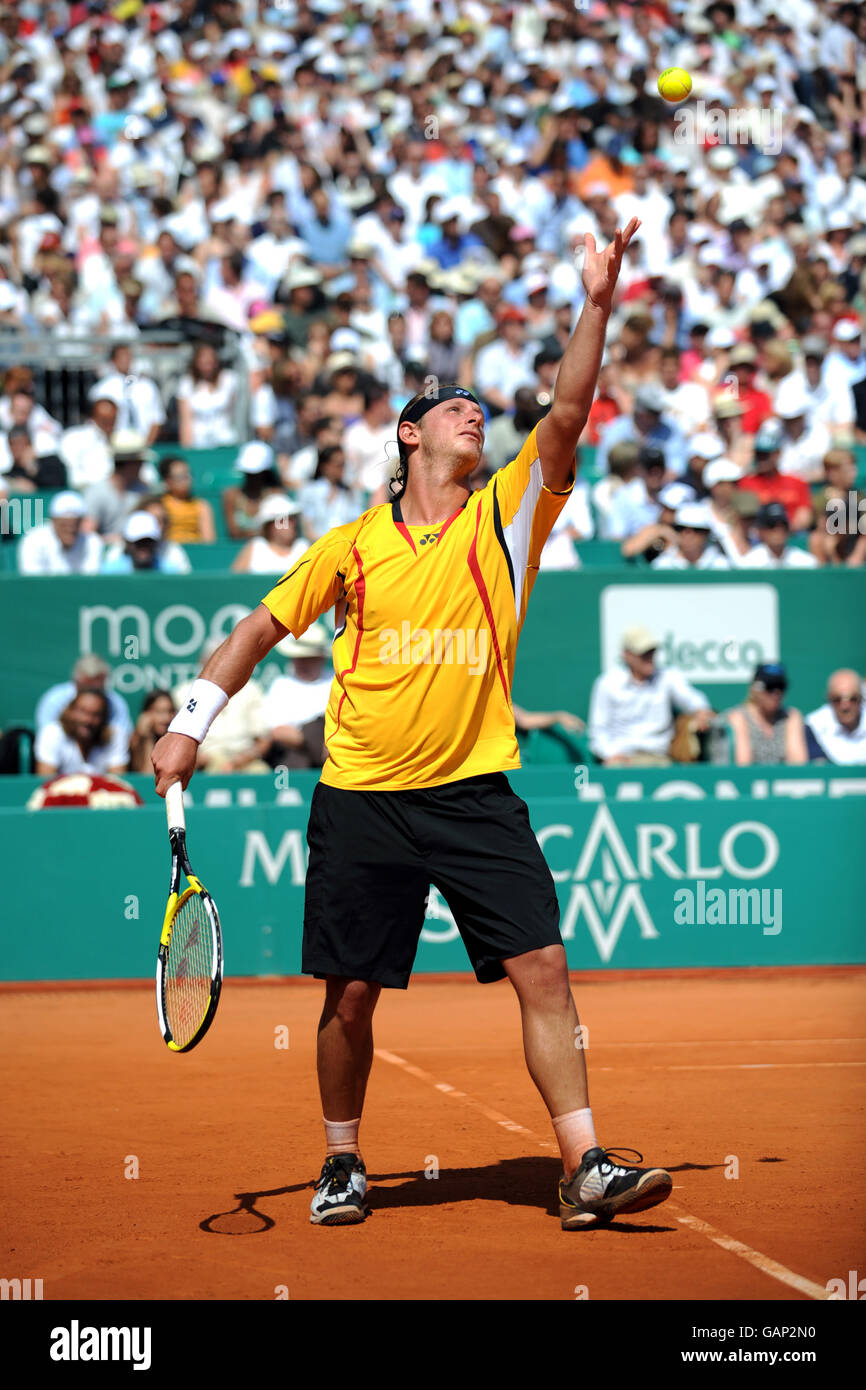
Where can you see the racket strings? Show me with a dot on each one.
(189, 969)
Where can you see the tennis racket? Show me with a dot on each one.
(189, 967)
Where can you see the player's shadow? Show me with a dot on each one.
(522, 1182)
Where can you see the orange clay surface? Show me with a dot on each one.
(762, 1069)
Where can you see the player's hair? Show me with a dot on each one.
(397, 484)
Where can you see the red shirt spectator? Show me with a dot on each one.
(769, 485)
(757, 405)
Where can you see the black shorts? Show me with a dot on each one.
(373, 856)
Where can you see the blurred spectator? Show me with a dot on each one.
(366, 441)
(86, 449)
(295, 704)
(658, 537)
(82, 739)
(505, 364)
(506, 435)
(61, 546)
(695, 546)
(206, 398)
(109, 503)
(764, 729)
(139, 405)
(646, 425)
(805, 440)
(279, 546)
(157, 711)
(623, 467)
(636, 503)
(836, 732)
(839, 508)
(845, 363)
(89, 673)
(238, 739)
(328, 501)
(832, 408)
(241, 505)
(18, 407)
(141, 549)
(190, 519)
(757, 405)
(701, 449)
(631, 716)
(686, 403)
(769, 485)
(726, 522)
(773, 550)
(21, 470)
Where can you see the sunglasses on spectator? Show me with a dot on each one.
(846, 699)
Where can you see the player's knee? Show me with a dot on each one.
(542, 978)
(353, 1001)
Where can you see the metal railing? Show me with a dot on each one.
(65, 368)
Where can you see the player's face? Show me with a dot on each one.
(454, 433)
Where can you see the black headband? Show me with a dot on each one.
(415, 409)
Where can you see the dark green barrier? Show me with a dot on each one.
(714, 627)
(692, 782)
(769, 882)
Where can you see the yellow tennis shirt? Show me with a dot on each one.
(425, 659)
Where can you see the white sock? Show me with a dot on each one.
(575, 1133)
(341, 1136)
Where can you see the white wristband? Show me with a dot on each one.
(202, 706)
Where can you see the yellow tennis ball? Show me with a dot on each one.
(675, 84)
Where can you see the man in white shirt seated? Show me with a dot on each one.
(238, 738)
(366, 441)
(89, 673)
(61, 546)
(139, 404)
(836, 733)
(295, 705)
(695, 548)
(86, 449)
(806, 440)
(773, 550)
(506, 364)
(632, 707)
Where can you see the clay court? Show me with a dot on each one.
(767, 1068)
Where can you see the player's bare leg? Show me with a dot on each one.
(344, 1058)
(594, 1187)
(552, 1040)
(345, 1046)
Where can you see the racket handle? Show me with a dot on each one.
(174, 807)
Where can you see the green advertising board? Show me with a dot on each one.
(644, 882)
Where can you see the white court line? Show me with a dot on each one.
(764, 1263)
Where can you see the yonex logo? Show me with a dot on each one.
(191, 704)
(429, 538)
(444, 646)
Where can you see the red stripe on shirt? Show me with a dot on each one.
(360, 590)
(475, 571)
(404, 532)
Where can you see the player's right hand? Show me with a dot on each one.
(173, 758)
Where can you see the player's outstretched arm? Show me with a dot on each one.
(230, 667)
(561, 428)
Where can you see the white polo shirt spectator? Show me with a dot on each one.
(773, 550)
(806, 439)
(54, 746)
(298, 698)
(827, 736)
(630, 716)
(60, 546)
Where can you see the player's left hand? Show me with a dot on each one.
(601, 268)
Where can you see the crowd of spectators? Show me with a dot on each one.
(362, 197)
(335, 204)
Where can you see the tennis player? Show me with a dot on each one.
(420, 736)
